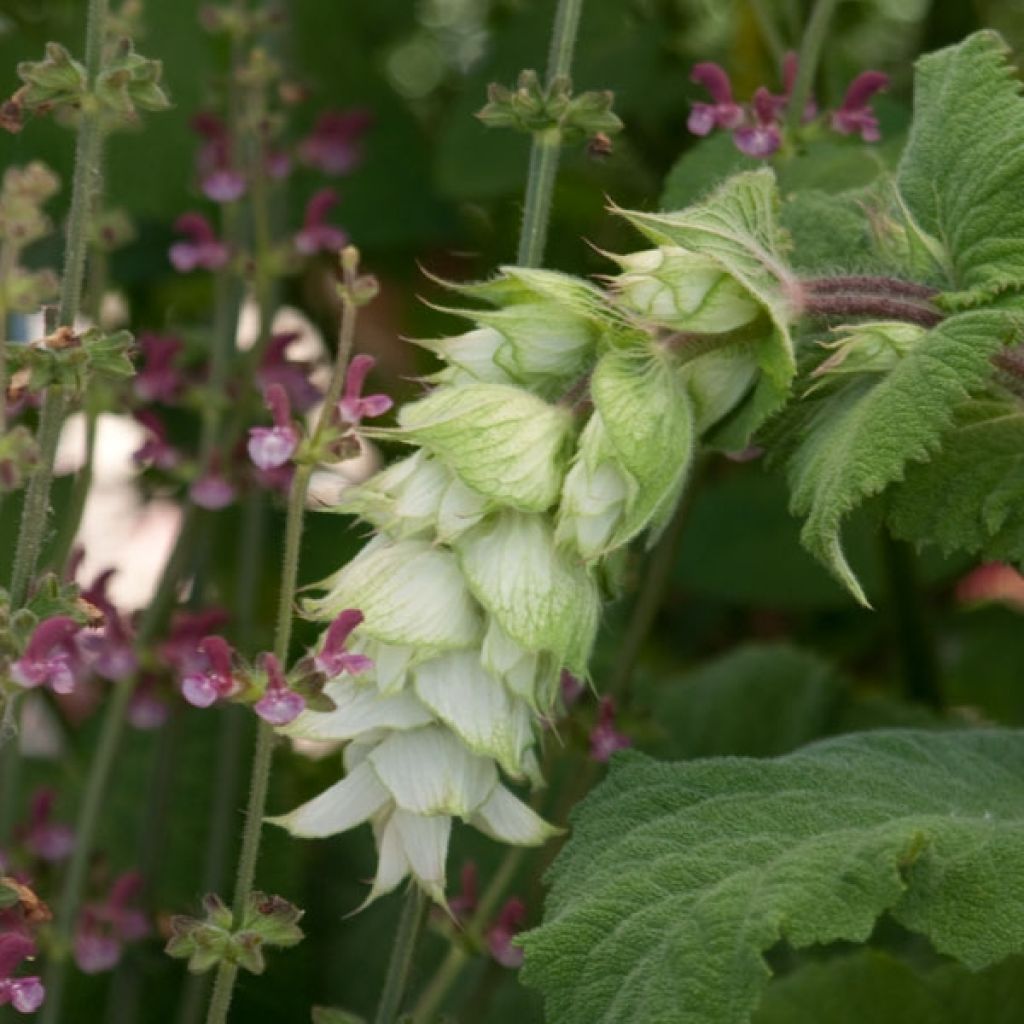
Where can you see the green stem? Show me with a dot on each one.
(88, 150)
(100, 771)
(764, 15)
(810, 54)
(259, 777)
(402, 952)
(547, 144)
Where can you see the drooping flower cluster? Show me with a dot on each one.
(757, 126)
(560, 428)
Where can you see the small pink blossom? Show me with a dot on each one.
(223, 185)
(25, 994)
(218, 177)
(147, 709)
(213, 679)
(855, 116)
(51, 656)
(104, 928)
(109, 649)
(278, 705)
(316, 234)
(605, 738)
(43, 837)
(159, 380)
(155, 450)
(335, 144)
(273, 447)
(181, 648)
(201, 249)
(212, 490)
(334, 658)
(500, 935)
(763, 137)
(353, 406)
(291, 374)
(724, 112)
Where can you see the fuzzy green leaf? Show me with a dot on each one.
(971, 495)
(861, 438)
(961, 171)
(680, 876)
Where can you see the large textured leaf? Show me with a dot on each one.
(971, 495)
(679, 877)
(964, 162)
(861, 438)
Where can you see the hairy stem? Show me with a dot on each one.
(547, 144)
(893, 286)
(877, 306)
(810, 54)
(403, 950)
(259, 777)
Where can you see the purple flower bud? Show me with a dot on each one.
(272, 447)
(762, 138)
(43, 837)
(50, 657)
(335, 144)
(500, 935)
(354, 408)
(316, 234)
(278, 705)
(855, 116)
(725, 112)
(215, 679)
(334, 659)
(571, 687)
(159, 380)
(202, 248)
(605, 739)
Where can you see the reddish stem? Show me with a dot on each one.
(871, 305)
(876, 285)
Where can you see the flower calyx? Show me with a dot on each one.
(267, 921)
(535, 108)
(68, 360)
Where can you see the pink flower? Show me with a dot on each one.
(109, 649)
(213, 679)
(316, 234)
(277, 164)
(855, 116)
(994, 582)
(212, 490)
(763, 137)
(181, 648)
(25, 994)
(43, 837)
(724, 112)
(291, 374)
(333, 658)
(272, 447)
(50, 657)
(218, 178)
(500, 935)
(605, 739)
(335, 144)
(104, 927)
(202, 247)
(159, 380)
(354, 408)
(155, 450)
(278, 705)
(147, 708)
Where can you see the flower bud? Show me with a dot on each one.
(866, 348)
(684, 291)
(502, 442)
(717, 382)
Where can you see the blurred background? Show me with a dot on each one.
(748, 647)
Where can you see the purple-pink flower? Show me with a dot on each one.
(109, 649)
(218, 178)
(212, 490)
(855, 116)
(335, 144)
(148, 709)
(181, 648)
(316, 234)
(500, 935)
(605, 738)
(212, 678)
(51, 656)
(155, 450)
(201, 247)
(291, 374)
(279, 705)
(104, 927)
(334, 658)
(158, 379)
(354, 406)
(762, 136)
(43, 837)
(724, 112)
(25, 994)
(273, 447)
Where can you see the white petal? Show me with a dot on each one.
(475, 705)
(346, 804)
(430, 771)
(425, 846)
(460, 509)
(360, 708)
(506, 818)
(392, 863)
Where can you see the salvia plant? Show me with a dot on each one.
(810, 295)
